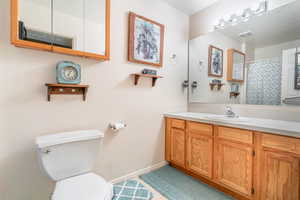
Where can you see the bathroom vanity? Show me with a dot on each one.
(248, 158)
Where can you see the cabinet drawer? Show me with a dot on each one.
(200, 128)
(287, 144)
(177, 123)
(234, 134)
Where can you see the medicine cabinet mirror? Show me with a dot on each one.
(235, 65)
(73, 27)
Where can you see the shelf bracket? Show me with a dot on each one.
(64, 89)
(136, 79)
(153, 77)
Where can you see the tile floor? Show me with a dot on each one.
(157, 196)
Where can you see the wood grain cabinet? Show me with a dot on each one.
(280, 162)
(234, 159)
(175, 142)
(178, 147)
(280, 177)
(245, 164)
(200, 148)
(78, 27)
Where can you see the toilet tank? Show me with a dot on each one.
(68, 154)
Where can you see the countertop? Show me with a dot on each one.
(279, 127)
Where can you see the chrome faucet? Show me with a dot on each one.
(230, 113)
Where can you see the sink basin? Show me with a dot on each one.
(225, 118)
(214, 117)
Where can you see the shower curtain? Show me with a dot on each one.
(264, 82)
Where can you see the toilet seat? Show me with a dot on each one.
(84, 187)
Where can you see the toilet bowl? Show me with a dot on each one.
(87, 186)
(68, 159)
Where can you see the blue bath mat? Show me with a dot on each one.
(175, 185)
(131, 190)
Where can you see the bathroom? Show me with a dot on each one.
(134, 111)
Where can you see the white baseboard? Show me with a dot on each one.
(139, 172)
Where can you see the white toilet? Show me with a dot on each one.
(68, 158)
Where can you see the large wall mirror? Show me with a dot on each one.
(74, 27)
(260, 60)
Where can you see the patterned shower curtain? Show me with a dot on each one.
(264, 82)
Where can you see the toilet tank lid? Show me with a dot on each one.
(67, 137)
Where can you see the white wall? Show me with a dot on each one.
(25, 113)
(202, 23)
(275, 50)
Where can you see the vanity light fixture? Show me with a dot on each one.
(234, 19)
(246, 34)
(247, 13)
(221, 24)
(262, 8)
(243, 16)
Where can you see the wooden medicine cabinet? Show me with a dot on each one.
(236, 62)
(78, 27)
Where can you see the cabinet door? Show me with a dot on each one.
(178, 147)
(234, 166)
(95, 27)
(31, 24)
(68, 26)
(81, 27)
(280, 177)
(199, 150)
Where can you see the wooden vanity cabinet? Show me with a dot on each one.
(234, 159)
(280, 177)
(280, 162)
(175, 142)
(243, 163)
(200, 149)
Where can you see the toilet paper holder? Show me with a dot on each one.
(117, 126)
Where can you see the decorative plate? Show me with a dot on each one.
(68, 73)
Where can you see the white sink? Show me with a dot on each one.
(214, 117)
(225, 118)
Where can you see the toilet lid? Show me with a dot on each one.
(84, 187)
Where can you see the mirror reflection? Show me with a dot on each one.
(260, 62)
(35, 26)
(69, 35)
(95, 27)
(70, 24)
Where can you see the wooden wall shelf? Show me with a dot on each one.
(137, 77)
(218, 85)
(65, 89)
(234, 94)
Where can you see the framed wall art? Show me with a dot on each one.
(146, 41)
(215, 61)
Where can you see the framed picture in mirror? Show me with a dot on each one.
(146, 41)
(215, 61)
(297, 72)
(236, 62)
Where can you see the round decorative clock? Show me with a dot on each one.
(68, 73)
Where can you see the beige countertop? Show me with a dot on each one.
(279, 127)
